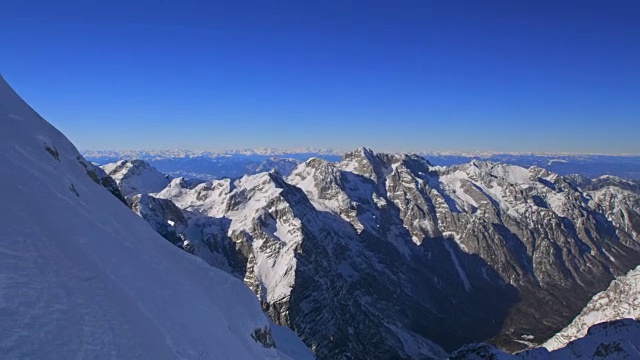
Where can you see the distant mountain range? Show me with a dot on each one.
(184, 153)
(268, 151)
(210, 165)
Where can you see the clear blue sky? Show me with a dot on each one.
(392, 75)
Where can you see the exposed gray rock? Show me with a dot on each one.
(100, 177)
(163, 216)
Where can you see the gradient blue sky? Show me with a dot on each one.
(391, 75)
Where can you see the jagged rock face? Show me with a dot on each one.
(136, 177)
(100, 177)
(622, 209)
(387, 254)
(620, 300)
(607, 341)
(163, 216)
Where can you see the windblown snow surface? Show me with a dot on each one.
(81, 276)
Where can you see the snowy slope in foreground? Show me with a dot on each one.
(621, 300)
(81, 276)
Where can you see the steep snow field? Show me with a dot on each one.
(81, 276)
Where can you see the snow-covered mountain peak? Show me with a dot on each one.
(259, 209)
(136, 177)
(365, 162)
(360, 152)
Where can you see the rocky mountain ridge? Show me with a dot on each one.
(388, 252)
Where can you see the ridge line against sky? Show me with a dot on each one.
(503, 76)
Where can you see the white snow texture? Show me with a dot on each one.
(83, 277)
